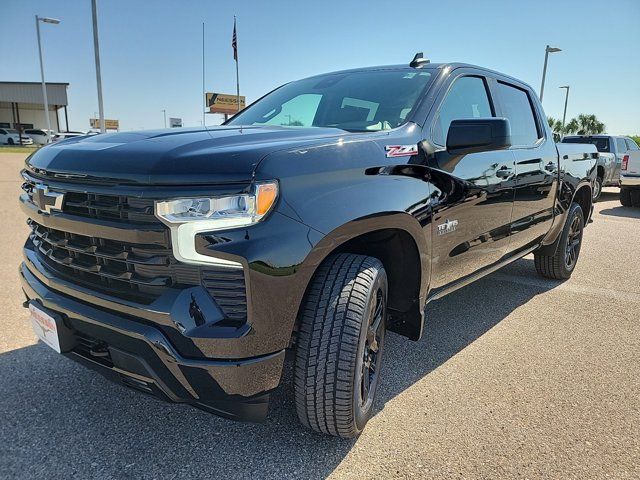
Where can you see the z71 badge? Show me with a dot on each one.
(401, 150)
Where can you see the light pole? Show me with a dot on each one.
(566, 100)
(52, 21)
(96, 51)
(165, 118)
(547, 51)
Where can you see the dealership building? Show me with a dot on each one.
(22, 104)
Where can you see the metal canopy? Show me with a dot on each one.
(31, 93)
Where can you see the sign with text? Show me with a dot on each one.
(223, 103)
(175, 122)
(108, 124)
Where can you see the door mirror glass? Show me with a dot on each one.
(474, 135)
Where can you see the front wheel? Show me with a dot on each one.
(340, 343)
(560, 265)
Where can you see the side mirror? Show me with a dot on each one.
(478, 135)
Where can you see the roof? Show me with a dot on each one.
(428, 66)
(31, 93)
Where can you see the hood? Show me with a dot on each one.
(174, 156)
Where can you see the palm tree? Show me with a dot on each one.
(556, 128)
(585, 125)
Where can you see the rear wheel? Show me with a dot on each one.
(597, 188)
(339, 345)
(560, 265)
(10, 141)
(635, 197)
(625, 196)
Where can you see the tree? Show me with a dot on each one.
(585, 124)
(556, 128)
(636, 138)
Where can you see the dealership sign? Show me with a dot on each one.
(223, 103)
(175, 122)
(108, 124)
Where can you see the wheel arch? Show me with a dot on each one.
(399, 242)
(582, 195)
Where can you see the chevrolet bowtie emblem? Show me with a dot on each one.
(45, 200)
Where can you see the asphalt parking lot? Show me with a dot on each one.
(516, 377)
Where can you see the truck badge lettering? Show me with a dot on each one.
(401, 150)
(447, 227)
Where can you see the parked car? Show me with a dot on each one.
(630, 175)
(66, 135)
(612, 151)
(10, 136)
(38, 135)
(184, 263)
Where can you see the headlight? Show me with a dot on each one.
(188, 216)
(221, 212)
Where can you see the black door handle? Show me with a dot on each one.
(504, 172)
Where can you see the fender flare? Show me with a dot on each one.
(409, 323)
(564, 201)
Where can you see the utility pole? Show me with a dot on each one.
(165, 118)
(547, 51)
(52, 21)
(96, 49)
(566, 100)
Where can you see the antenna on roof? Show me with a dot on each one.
(418, 60)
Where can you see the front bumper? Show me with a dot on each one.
(630, 180)
(137, 354)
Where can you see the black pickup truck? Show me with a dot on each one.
(186, 262)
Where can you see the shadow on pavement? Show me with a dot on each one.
(620, 211)
(60, 420)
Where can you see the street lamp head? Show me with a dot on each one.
(553, 49)
(565, 86)
(53, 21)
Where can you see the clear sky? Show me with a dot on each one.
(151, 51)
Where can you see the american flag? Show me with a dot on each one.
(234, 41)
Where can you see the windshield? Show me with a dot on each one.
(354, 101)
(601, 143)
(11, 130)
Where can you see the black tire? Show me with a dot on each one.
(339, 345)
(625, 196)
(597, 189)
(561, 264)
(635, 197)
(10, 141)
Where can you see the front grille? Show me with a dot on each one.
(115, 208)
(128, 270)
(137, 272)
(110, 207)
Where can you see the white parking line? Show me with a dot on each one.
(570, 287)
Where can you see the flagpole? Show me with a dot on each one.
(237, 74)
(204, 91)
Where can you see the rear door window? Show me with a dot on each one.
(621, 146)
(631, 144)
(467, 98)
(517, 107)
(601, 143)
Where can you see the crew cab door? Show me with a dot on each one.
(473, 193)
(621, 150)
(536, 164)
